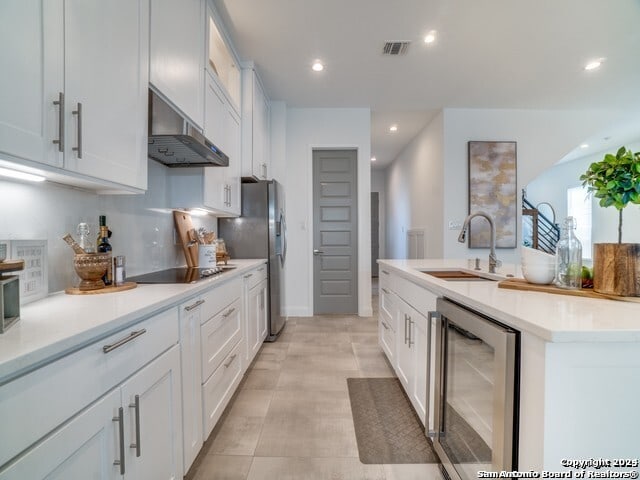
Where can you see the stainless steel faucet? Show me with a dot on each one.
(493, 260)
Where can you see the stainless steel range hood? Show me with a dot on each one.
(175, 143)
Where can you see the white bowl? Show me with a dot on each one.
(540, 274)
(532, 255)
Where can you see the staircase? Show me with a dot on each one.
(544, 234)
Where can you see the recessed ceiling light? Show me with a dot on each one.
(317, 66)
(373, 159)
(430, 37)
(5, 172)
(592, 65)
(584, 145)
(393, 128)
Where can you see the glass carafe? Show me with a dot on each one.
(568, 257)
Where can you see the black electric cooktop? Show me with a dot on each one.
(180, 275)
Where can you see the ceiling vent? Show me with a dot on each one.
(395, 48)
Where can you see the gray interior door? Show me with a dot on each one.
(335, 232)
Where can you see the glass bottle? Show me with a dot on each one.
(568, 257)
(105, 247)
(84, 232)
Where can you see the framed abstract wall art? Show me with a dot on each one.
(492, 189)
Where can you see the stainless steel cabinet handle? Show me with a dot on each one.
(385, 272)
(194, 305)
(228, 312)
(78, 112)
(231, 359)
(120, 420)
(385, 325)
(248, 275)
(264, 170)
(318, 252)
(136, 406)
(127, 339)
(261, 269)
(411, 322)
(385, 290)
(60, 140)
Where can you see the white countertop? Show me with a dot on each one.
(60, 323)
(554, 318)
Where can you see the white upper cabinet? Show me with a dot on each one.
(177, 46)
(31, 62)
(106, 55)
(221, 62)
(256, 131)
(73, 99)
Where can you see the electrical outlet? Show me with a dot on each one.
(455, 225)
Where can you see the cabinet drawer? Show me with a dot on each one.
(386, 310)
(418, 297)
(386, 279)
(36, 403)
(254, 277)
(217, 391)
(219, 335)
(219, 297)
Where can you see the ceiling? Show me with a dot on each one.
(487, 54)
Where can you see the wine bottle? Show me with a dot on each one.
(105, 247)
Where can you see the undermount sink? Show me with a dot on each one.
(458, 276)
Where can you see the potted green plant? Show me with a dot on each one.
(615, 180)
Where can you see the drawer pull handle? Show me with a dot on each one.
(261, 269)
(385, 290)
(228, 312)
(127, 339)
(248, 276)
(231, 359)
(195, 305)
(385, 326)
(136, 407)
(120, 420)
(385, 272)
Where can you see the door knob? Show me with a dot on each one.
(317, 252)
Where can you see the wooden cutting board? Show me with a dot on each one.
(99, 291)
(522, 284)
(11, 265)
(184, 226)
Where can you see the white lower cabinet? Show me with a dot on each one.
(256, 318)
(133, 432)
(408, 345)
(84, 448)
(191, 368)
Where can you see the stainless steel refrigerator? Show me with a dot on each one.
(261, 232)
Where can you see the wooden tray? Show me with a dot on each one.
(110, 289)
(11, 265)
(522, 284)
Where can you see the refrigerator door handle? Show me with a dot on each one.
(283, 228)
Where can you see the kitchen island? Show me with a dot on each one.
(579, 361)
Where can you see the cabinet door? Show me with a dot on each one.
(215, 192)
(31, 62)
(420, 348)
(404, 354)
(232, 134)
(153, 420)
(253, 322)
(263, 317)
(106, 73)
(86, 447)
(191, 369)
(177, 54)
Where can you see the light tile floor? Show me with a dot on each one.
(291, 416)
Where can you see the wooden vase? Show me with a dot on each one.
(616, 269)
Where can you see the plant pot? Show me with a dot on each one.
(616, 269)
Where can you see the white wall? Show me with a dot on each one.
(142, 225)
(378, 184)
(552, 184)
(415, 192)
(309, 128)
(543, 138)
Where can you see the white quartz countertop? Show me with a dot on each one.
(60, 323)
(554, 318)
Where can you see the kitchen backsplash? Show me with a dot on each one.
(142, 225)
